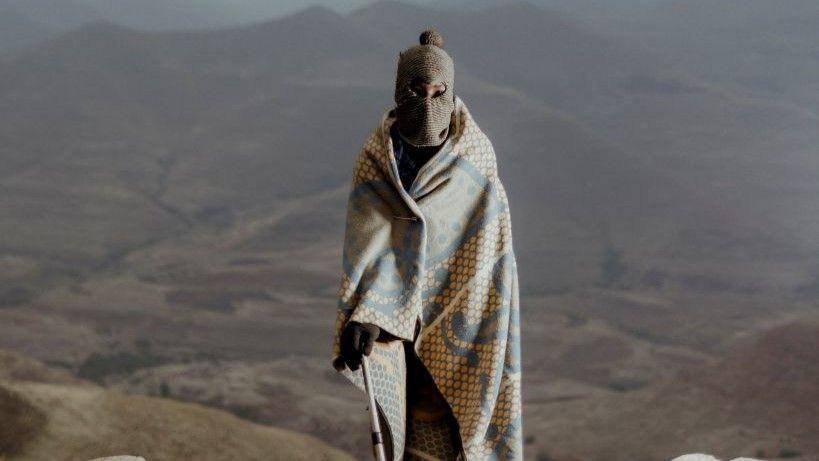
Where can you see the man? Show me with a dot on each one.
(430, 286)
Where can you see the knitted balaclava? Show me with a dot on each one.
(424, 120)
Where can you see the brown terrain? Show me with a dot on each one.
(761, 400)
(49, 416)
(172, 206)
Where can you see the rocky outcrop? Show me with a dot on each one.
(88, 422)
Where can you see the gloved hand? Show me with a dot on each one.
(357, 339)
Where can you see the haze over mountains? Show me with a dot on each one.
(50, 17)
(157, 187)
(673, 136)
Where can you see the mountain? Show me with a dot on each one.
(173, 15)
(25, 23)
(156, 117)
(208, 14)
(145, 115)
(756, 44)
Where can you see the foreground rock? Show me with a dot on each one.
(88, 422)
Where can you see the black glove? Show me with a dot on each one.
(357, 339)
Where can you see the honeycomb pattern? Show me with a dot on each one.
(453, 270)
(430, 440)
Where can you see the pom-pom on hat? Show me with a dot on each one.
(432, 37)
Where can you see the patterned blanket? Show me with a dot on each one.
(438, 255)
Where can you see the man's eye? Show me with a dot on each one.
(439, 90)
(423, 89)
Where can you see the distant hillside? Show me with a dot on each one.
(774, 375)
(16, 367)
(765, 46)
(204, 14)
(174, 14)
(188, 128)
(762, 400)
(160, 121)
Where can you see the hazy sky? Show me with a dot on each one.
(194, 14)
